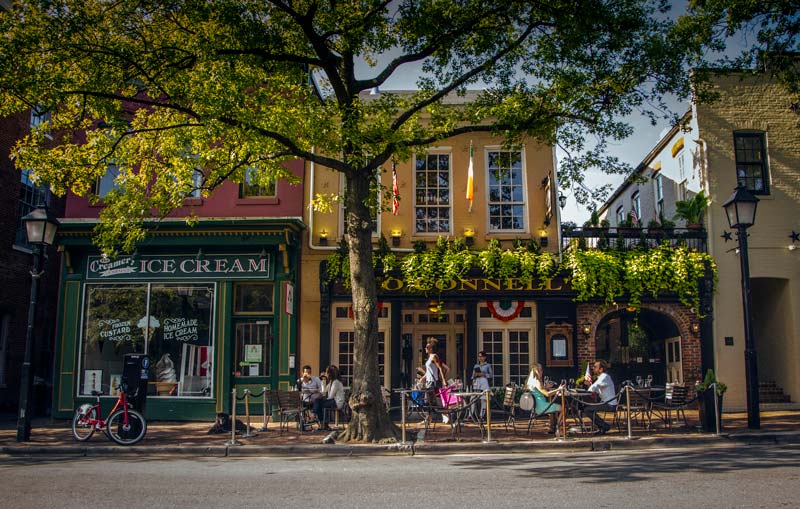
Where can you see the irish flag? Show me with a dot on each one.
(470, 179)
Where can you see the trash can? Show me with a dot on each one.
(135, 370)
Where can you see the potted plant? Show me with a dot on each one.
(705, 400)
(691, 211)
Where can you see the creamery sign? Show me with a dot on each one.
(209, 266)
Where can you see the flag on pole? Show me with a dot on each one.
(395, 189)
(470, 179)
(634, 216)
(588, 375)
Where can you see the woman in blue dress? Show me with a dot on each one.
(543, 405)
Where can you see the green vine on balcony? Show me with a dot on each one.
(605, 275)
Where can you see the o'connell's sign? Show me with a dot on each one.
(212, 266)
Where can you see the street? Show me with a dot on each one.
(750, 476)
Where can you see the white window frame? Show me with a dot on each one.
(247, 182)
(104, 180)
(518, 324)
(619, 214)
(197, 181)
(658, 183)
(681, 165)
(430, 152)
(636, 204)
(346, 325)
(525, 216)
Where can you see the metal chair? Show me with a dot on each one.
(290, 408)
(676, 399)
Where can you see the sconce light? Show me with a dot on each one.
(396, 234)
(323, 237)
(562, 200)
(586, 328)
(469, 235)
(695, 326)
(543, 238)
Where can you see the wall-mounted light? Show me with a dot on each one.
(396, 234)
(543, 238)
(586, 328)
(323, 237)
(469, 235)
(695, 326)
(562, 200)
(435, 306)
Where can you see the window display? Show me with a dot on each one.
(170, 323)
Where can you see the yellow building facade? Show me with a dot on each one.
(514, 198)
(751, 135)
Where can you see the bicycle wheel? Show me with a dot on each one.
(83, 423)
(126, 434)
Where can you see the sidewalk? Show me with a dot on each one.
(54, 438)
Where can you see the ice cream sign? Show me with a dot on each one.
(255, 266)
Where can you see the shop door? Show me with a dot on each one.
(252, 356)
(674, 367)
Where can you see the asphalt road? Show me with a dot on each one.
(755, 476)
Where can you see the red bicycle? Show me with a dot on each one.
(124, 425)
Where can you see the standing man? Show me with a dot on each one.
(484, 367)
(604, 388)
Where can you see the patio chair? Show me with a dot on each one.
(640, 408)
(290, 408)
(676, 399)
(529, 404)
(507, 409)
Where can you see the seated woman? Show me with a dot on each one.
(333, 392)
(540, 395)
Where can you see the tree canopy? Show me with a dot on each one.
(161, 88)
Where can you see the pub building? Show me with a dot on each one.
(516, 324)
(211, 305)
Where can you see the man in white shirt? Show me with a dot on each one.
(603, 386)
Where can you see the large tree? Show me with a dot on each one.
(161, 88)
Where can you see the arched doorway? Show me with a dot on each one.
(647, 343)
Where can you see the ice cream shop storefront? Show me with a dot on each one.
(211, 308)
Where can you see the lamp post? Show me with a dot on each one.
(741, 211)
(40, 226)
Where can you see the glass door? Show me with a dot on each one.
(252, 360)
(674, 367)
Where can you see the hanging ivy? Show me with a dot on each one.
(593, 273)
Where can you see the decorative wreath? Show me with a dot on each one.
(506, 310)
(352, 317)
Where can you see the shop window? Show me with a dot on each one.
(253, 298)
(170, 323)
(432, 193)
(506, 191)
(344, 355)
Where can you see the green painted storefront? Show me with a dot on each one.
(212, 306)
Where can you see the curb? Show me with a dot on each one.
(418, 448)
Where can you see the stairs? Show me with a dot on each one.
(769, 392)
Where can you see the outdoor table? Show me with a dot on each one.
(461, 411)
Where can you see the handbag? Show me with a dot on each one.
(448, 399)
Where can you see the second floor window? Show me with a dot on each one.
(636, 205)
(620, 214)
(107, 182)
(681, 165)
(659, 188)
(751, 162)
(432, 193)
(252, 188)
(506, 191)
(197, 184)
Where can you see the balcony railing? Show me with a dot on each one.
(632, 238)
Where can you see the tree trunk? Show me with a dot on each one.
(370, 421)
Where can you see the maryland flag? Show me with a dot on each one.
(395, 189)
(470, 179)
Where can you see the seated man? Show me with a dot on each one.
(604, 388)
(310, 386)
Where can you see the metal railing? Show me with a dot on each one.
(632, 238)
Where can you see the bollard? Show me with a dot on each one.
(403, 418)
(563, 413)
(488, 418)
(717, 416)
(247, 433)
(233, 441)
(264, 407)
(628, 405)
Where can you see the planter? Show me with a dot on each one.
(705, 400)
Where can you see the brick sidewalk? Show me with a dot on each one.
(194, 434)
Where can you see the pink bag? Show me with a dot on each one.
(448, 399)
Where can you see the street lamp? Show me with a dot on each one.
(741, 211)
(40, 226)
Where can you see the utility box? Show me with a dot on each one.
(135, 371)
